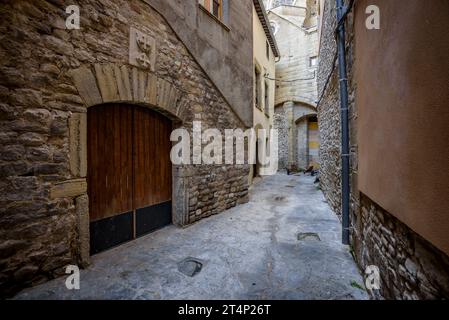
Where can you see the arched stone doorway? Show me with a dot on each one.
(307, 142)
(129, 173)
(103, 86)
(298, 135)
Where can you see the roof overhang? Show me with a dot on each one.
(260, 9)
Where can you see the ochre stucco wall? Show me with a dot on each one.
(402, 73)
(266, 66)
(263, 117)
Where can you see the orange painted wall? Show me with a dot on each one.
(402, 74)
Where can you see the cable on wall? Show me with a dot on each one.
(293, 80)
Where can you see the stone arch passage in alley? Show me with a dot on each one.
(129, 173)
(298, 135)
(307, 142)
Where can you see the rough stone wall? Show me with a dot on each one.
(213, 189)
(302, 144)
(329, 113)
(281, 124)
(330, 146)
(410, 267)
(292, 152)
(39, 219)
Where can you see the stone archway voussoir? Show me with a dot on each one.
(108, 83)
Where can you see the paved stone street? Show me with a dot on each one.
(283, 244)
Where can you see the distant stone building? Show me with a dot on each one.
(86, 117)
(399, 135)
(294, 24)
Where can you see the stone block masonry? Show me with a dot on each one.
(298, 44)
(291, 121)
(281, 123)
(410, 267)
(49, 76)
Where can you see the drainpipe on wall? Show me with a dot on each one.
(343, 80)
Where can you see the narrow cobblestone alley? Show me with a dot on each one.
(284, 244)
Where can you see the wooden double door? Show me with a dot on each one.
(129, 173)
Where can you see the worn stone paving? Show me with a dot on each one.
(283, 244)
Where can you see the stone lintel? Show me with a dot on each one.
(86, 84)
(70, 188)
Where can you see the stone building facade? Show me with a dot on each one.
(126, 53)
(294, 24)
(412, 262)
